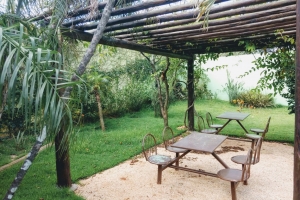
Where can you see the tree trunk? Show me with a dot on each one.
(165, 104)
(190, 86)
(61, 144)
(92, 47)
(100, 110)
(27, 163)
(4, 98)
(62, 160)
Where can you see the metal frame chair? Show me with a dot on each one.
(186, 116)
(149, 146)
(258, 131)
(210, 122)
(255, 157)
(168, 138)
(235, 176)
(202, 129)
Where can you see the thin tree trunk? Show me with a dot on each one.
(62, 160)
(100, 110)
(162, 103)
(27, 163)
(4, 98)
(164, 107)
(92, 47)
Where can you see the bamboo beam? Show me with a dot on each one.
(124, 44)
(86, 10)
(234, 41)
(148, 15)
(189, 17)
(74, 13)
(271, 25)
(135, 8)
(231, 45)
(216, 8)
(203, 45)
(219, 24)
(210, 40)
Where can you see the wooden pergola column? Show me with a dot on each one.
(296, 193)
(190, 88)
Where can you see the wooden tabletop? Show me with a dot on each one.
(234, 116)
(200, 142)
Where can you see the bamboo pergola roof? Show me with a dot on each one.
(169, 27)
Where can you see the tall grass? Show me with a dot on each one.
(94, 151)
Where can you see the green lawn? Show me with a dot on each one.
(94, 151)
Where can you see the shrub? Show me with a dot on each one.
(255, 99)
(202, 92)
(232, 88)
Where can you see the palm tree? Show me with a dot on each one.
(57, 95)
(97, 83)
(24, 62)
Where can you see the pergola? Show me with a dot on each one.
(169, 28)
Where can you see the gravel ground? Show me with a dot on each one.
(271, 178)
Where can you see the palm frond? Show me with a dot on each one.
(204, 7)
(34, 77)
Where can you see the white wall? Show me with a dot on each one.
(237, 65)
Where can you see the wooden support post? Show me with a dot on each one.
(296, 193)
(190, 87)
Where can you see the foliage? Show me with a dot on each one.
(255, 99)
(19, 140)
(204, 8)
(278, 66)
(277, 62)
(138, 70)
(176, 76)
(127, 90)
(134, 80)
(37, 72)
(11, 125)
(232, 88)
(249, 46)
(200, 78)
(118, 101)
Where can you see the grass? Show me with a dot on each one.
(94, 151)
(11, 147)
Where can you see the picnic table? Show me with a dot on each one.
(237, 116)
(202, 142)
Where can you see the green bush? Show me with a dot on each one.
(254, 98)
(202, 92)
(129, 98)
(233, 88)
